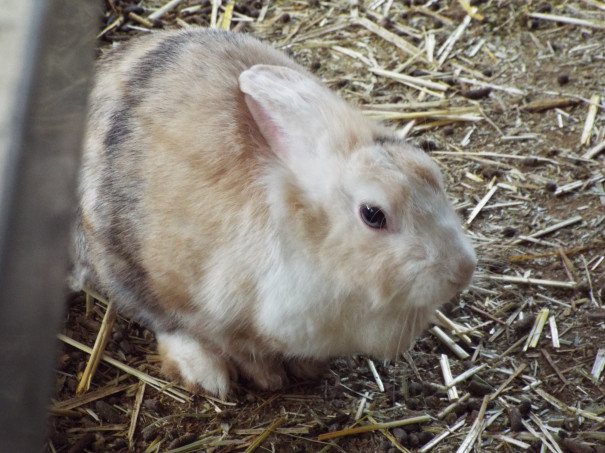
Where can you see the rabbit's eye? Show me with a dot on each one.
(373, 216)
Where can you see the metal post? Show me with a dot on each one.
(47, 54)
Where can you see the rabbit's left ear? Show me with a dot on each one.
(286, 106)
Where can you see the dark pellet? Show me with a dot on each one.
(83, 443)
(134, 9)
(525, 408)
(401, 435)
(183, 440)
(477, 388)
(478, 93)
(516, 420)
(509, 232)
(525, 324)
(415, 388)
(563, 79)
(573, 446)
(107, 412)
(413, 440)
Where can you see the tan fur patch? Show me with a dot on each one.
(410, 160)
(191, 222)
(169, 368)
(426, 174)
(171, 292)
(86, 225)
(311, 221)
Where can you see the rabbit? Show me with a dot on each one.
(257, 223)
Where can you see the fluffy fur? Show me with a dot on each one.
(220, 205)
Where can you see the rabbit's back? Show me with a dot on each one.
(170, 147)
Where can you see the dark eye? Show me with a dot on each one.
(373, 216)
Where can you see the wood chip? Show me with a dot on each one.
(540, 105)
(554, 366)
(214, 14)
(599, 364)
(512, 441)
(564, 407)
(376, 375)
(554, 332)
(446, 340)
(164, 9)
(477, 428)
(89, 397)
(475, 212)
(413, 82)
(374, 427)
(569, 20)
(97, 350)
(536, 331)
(441, 415)
(138, 400)
(546, 445)
(259, 440)
(361, 407)
(227, 16)
(445, 433)
(516, 373)
(452, 393)
(397, 41)
(467, 374)
(444, 51)
(591, 153)
(470, 10)
(456, 328)
(579, 184)
(590, 117)
(480, 83)
(555, 227)
(141, 20)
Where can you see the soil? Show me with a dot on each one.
(531, 156)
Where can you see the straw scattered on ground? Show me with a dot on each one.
(509, 98)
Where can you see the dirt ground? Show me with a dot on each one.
(507, 114)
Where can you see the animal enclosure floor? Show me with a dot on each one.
(511, 103)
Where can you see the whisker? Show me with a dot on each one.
(413, 328)
(402, 328)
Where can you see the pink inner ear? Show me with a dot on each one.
(267, 126)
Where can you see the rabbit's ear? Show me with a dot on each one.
(287, 106)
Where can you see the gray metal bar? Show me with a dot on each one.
(47, 53)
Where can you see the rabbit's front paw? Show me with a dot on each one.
(267, 372)
(197, 367)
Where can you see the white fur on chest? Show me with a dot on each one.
(296, 308)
